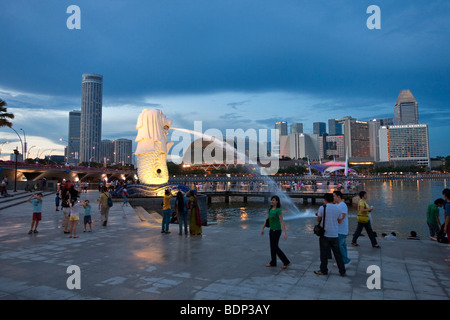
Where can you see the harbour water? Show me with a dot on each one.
(400, 206)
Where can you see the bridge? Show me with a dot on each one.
(244, 188)
(36, 172)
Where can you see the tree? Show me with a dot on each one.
(4, 115)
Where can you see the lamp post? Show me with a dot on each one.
(73, 152)
(16, 152)
(28, 153)
(19, 138)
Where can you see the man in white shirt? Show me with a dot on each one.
(331, 215)
(343, 226)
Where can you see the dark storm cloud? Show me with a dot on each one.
(175, 47)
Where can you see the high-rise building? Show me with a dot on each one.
(319, 128)
(73, 147)
(91, 117)
(406, 143)
(281, 127)
(107, 151)
(406, 109)
(300, 145)
(334, 127)
(122, 151)
(335, 147)
(297, 128)
(357, 141)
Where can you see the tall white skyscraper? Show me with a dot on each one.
(91, 118)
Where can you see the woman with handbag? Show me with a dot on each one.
(276, 225)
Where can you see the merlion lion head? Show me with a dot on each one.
(153, 147)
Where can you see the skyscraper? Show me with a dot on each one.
(281, 128)
(297, 128)
(319, 128)
(73, 148)
(91, 117)
(356, 138)
(122, 151)
(406, 109)
(334, 127)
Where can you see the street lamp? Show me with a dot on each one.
(16, 152)
(19, 138)
(70, 147)
(28, 153)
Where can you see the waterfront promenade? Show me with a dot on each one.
(131, 260)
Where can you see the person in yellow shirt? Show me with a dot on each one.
(166, 212)
(364, 221)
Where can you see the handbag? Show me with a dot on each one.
(319, 230)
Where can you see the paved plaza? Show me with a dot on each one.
(131, 260)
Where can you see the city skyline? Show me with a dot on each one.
(230, 65)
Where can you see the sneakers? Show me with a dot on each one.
(320, 273)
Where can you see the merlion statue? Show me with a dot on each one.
(152, 146)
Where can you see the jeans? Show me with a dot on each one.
(325, 245)
(342, 239)
(183, 218)
(274, 236)
(369, 230)
(166, 220)
(434, 229)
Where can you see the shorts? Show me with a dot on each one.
(74, 218)
(37, 216)
(66, 212)
(87, 219)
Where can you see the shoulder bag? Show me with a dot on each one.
(319, 230)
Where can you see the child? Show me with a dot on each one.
(125, 196)
(57, 198)
(74, 217)
(87, 215)
(36, 202)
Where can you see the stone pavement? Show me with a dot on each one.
(131, 260)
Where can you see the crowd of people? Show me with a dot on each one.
(67, 199)
(187, 209)
(333, 215)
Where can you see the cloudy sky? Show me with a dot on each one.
(230, 64)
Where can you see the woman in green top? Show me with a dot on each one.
(364, 221)
(276, 222)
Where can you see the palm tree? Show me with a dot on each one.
(4, 115)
